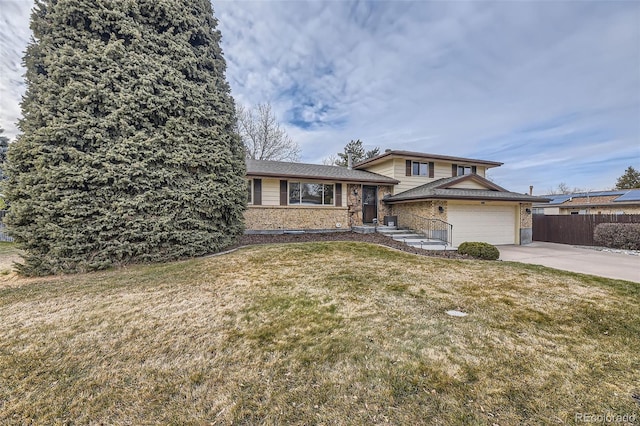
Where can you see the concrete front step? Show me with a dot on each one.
(392, 231)
(415, 239)
(406, 236)
(422, 242)
(370, 229)
(431, 245)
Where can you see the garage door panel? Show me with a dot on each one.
(488, 223)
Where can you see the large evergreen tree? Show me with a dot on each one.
(629, 180)
(357, 151)
(128, 151)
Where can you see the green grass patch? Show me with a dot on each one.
(318, 333)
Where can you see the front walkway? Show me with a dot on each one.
(575, 259)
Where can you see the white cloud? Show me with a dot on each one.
(458, 78)
(552, 89)
(14, 35)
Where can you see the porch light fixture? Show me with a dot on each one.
(528, 211)
(441, 209)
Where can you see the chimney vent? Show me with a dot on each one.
(349, 161)
(530, 189)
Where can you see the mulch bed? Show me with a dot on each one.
(254, 239)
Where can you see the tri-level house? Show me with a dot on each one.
(447, 196)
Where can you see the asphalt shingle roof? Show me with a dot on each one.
(413, 154)
(437, 189)
(267, 168)
(622, 196)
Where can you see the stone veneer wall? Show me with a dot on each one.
(526, 219)
(526, 223)
(383, 208)
(270, 218)
(354, 204)
(407, 212)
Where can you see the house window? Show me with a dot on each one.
(305, 193)
(250, 191)
(464, 170)
(420, 169)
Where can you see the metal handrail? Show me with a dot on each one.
(434, 229)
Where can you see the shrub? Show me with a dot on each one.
(618, 235)
(479, 250)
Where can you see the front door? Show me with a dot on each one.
(369, 203)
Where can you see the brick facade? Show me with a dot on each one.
(273, 218)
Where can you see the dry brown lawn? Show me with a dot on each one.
(8, 256)
(318, 333)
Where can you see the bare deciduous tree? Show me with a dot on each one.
(563, 188)
(263, 137)
(330, 160)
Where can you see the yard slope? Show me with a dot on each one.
(333, 332)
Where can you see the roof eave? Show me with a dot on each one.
(458, 197)
(323, 178)
(614, 204)
(404, 154)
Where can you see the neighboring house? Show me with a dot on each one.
(416, 190)
(625, 201)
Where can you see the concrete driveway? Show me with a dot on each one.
(575, 259)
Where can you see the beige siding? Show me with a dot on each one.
(408, 182)
(442, 170)
(552, 210)
(270, 192)
(386, 169)
(468, 184)
(396, 168)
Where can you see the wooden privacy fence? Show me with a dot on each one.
(576, 228)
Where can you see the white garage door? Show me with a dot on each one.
(492, 224)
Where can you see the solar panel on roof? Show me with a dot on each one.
(558, 199)
(631, 195)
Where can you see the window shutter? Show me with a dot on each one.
(284, 193)
(338, 195)
(431, 167)
(408, 168)
(474, 170)
(454, 170)
(257, 192)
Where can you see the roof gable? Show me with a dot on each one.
(449, 188)
(471, 181)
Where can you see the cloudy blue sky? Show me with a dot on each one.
(550, 88)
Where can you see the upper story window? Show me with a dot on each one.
(461, 170)
(306, 193)
(464, 170)
(420, 169)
